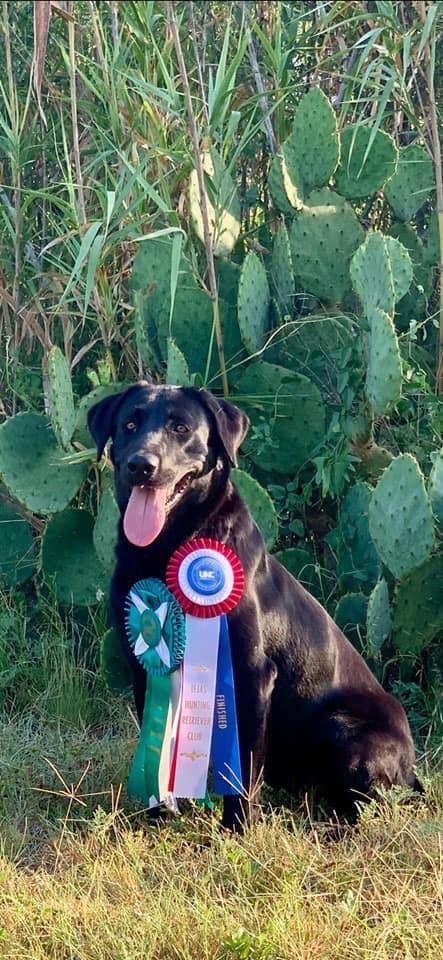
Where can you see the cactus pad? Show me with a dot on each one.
(436, 488)
(69, 561)
(17, 562)
(381, 272)
(360, 175)
(350, 615)
(313, 141)
(151, 281)
(61, 398)
(315, 345)
(287, 405)
(358, 563)
(276, 186)
(223, 205)
(384, 372)
(282, 272)
(192, 318)
(412, 182)
(32, 467)
(418, 611)
(414, 303)
(105, 530)
(400, 517)
(145, 329)
(323, 238)
(378, 623)
(177, 371)
(228, 280)
(259, 503)
(253, 303)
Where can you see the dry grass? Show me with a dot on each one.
(94, 883)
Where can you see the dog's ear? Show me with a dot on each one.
(231, 423)
(101, 418)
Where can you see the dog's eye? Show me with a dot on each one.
(130, 426)
(180, 428)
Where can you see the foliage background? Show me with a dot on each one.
(96, 156)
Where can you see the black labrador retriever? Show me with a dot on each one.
(310, 712)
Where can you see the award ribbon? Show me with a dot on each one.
(207, 579)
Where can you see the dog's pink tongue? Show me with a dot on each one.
(145, 515)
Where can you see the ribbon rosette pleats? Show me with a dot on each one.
(180, 636)
(207, 579)
(156, 630)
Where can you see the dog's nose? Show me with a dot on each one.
(141, 467)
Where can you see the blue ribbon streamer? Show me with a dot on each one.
(225, 749)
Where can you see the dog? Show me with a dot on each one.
(310, 712)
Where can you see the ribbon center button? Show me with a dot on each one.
(206, 576)
(150, 628)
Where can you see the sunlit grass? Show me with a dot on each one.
(82, 874)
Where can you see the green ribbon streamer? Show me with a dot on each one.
(143, 781)
(156, 629)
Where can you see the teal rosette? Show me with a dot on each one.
(155, 626)
(156, 631)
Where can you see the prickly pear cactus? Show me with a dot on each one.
(276, 184)
(413, 304)
(228, 280)
(418, 609)
(308, 157)
(381, 272)
(430, 237)
(350, 615)
(177, 370)
(69, 561)
(192, 324)
(400, 517)
(315, 345)
(384, 371)
(192, 319)
(223, 205)
(378, 623)
(253, 303)
(364, 167)
(412, 182)
(314, 140)
(151, 278)
(145, 329)
(358, 563)
(323, 238)
(289, 408)
(32, 465)
(282, 272)
(436, 488)
(259, 503)
(61, 398)
(17, 562)
(105, 530)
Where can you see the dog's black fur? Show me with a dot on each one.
(309, 709)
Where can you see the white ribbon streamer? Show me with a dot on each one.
(198, 703)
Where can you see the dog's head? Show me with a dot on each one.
(164, 439)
